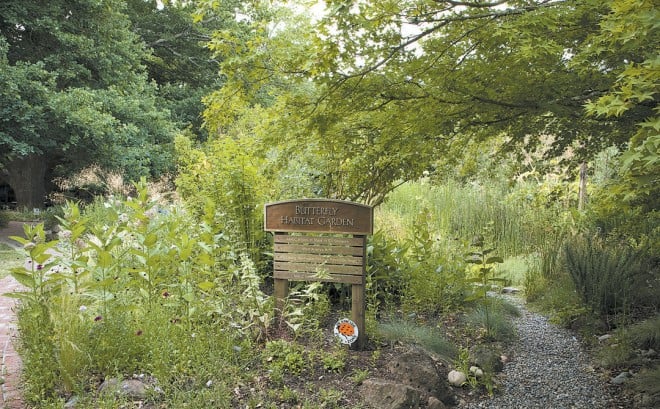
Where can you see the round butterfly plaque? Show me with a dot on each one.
(346, 331)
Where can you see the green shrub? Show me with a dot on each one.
(386, 263)
(609, 277)
(4, 219)
(646, 334)
(136, 288)
(435, 279)
(647, 382)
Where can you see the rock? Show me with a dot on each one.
(456, 378)
(476, 371)
(605, 337)
(417, 369)
(71, 403)
(130, 388)
(486, 358)
(620, 378)
(510, 290)
(434, 403)
(384, 394)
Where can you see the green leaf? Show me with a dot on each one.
(150, 240)
(493, 260)
(23, 278)
(206, 285)
(104, 259)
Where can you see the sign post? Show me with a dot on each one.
(332, 248)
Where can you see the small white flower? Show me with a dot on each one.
(209, 383)
(82, 308)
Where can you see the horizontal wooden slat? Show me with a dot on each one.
(332, 259)
(305, 276)
(317, 268)
(301, 248)
(319, 240)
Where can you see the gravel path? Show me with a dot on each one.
(549, 370)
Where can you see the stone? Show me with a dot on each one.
(605, 337)
(486, 358)
(476, 371)
(130, 388)
(384, 394)
(510, 290)
(434, 403)
(416, 368)
(71, 403)
(456, 378)
(620, 378)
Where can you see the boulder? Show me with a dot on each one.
(130, 388)
(384, 394)
(486, 358)
(418, 370)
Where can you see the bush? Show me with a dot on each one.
(4, 219)
(610, 278)
(646, 334)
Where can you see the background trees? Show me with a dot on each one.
(76, 91)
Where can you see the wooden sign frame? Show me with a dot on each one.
(321, 240)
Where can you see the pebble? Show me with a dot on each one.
(549, 369)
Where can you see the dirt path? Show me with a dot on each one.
(10, 366)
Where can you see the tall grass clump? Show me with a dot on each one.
(610, 277)
(431, 339)
(461, 210)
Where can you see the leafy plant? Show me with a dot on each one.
(359, 376)
(609, 277)
(482, 276)
(434, 277)
(335, 360)
(284, 356)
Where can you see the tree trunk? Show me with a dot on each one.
(582, 189)
(27, 176)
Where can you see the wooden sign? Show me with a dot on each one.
(319, 215)
(334, 248)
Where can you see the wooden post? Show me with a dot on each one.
(281, 292)
(359, 305)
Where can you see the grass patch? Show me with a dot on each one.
(492, 323)
(426, 337)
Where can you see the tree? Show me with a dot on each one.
(177, 58)
(399, 86)
(74, 92)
